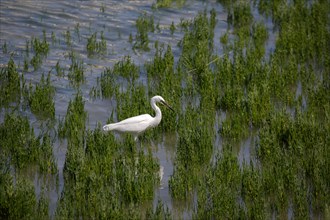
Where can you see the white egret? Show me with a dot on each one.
(138, 124)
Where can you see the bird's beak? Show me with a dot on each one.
(167, 105)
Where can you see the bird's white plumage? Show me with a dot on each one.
(138, 124)
(130, 125)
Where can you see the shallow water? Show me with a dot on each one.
(21, 20)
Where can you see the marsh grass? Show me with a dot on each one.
(76, 71)
(21, 149)
(144, 24)
(74, 122)
(40, 99)
(95, 46)
(112, 177)
(40, 48)
(4, 47)
(162, 79)
(19, 200)
(10, 84)
(59, 70)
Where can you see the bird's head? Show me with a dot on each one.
(161, 100)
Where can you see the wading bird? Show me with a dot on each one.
(138, 124)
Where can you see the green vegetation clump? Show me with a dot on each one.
(297, 148)
(41, 50)
(106, 84)
(96, 47)
(168, 3)
(159, 213)
(278, 99)
(10, 84)
(76, 71)
(219, 190)
(67, 38)
(144, 24)
(105, 174)
(163, 80)
(4, 47)
(241, 14)
(74, 122)
(196, 57)
(40, 46)
(18, 199)
(59, 69)
(22, 147)
(41, 98)
(124, 71)
(194, 151)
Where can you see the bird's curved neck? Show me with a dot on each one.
(157, 110)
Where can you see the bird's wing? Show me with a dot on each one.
(136, 119)
(135, 124)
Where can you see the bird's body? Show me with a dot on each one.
(138, 124)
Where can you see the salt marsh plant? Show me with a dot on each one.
(219, 190)
(105, 174)
(106, 85)
(172, 28)
(163, 80)
(144, 24)
(241, 14)
(59, 70)
(10, 84)
(4, 47)
(74, 122)
(67, 38)
(40, 99)
(40, 46)
(53, 37)
(280, 100)
(168, 3)
(23, 148)
(159, 213)
(124, 71)
(77, 30)
(18, 199)
(194, 150)
(41, 50)
(197, 47)
(95, 46)
(76, 71)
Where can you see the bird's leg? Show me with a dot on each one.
(140, 144)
